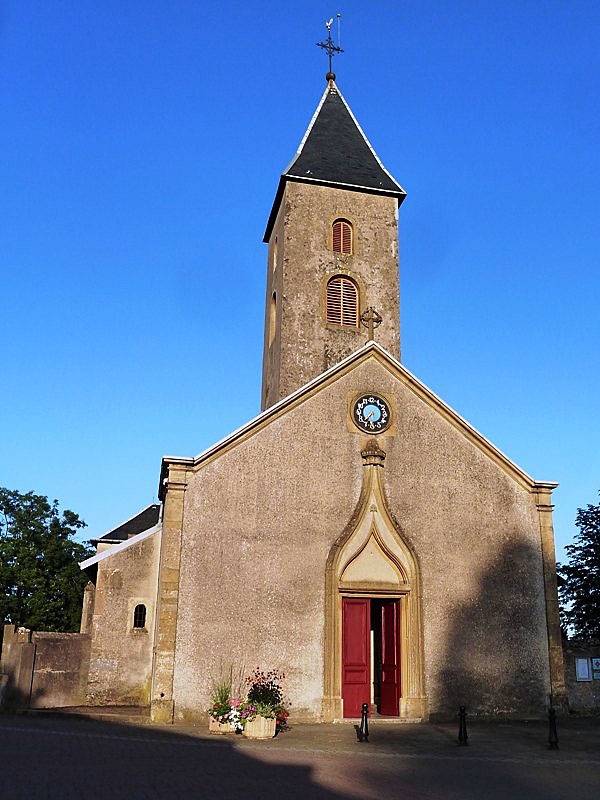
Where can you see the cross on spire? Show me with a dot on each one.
(330, 48)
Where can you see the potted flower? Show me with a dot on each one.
(264, 712)
(218, 719)
(224, 714)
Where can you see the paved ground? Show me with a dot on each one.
(54, 758)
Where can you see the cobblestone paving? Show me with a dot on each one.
(56, 758)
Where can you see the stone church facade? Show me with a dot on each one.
(358, 534)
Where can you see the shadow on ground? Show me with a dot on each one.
(63, 758)
(52, 758)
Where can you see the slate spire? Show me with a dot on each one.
(336, 152)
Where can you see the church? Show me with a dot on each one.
(358, 535)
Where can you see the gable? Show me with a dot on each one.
(371, 353)
(264, 509)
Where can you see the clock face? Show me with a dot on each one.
(371, 413)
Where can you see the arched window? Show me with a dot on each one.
(342, 238)
(139, 616)
(342, 301)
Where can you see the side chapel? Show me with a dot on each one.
(358, 534)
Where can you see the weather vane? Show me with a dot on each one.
(330, 48)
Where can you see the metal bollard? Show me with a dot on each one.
(552, 730)
(363, 732)
(463, 736)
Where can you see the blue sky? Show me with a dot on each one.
(141, 147)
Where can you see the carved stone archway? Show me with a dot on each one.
(372, 558)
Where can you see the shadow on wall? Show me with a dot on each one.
(496, 658)
(12, 697)
(43, 669)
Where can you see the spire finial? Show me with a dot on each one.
(330, 48)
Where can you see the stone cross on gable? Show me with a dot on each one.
(371, 319)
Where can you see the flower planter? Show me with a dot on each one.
(214, 726)
(260, 728)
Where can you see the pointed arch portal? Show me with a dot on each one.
(373, 635)
(371, 654)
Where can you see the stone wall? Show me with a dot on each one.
(261, 519)
(61, 669)
(121, 655)
(44, 670)
(584, 695)
(304, 345)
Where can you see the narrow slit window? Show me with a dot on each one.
(272, 318)
(139, 616)
(342, 238)
(342, 302)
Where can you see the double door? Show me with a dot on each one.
(370, 654)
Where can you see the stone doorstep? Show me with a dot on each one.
(375, 720)
(133, 715)
(141, 715)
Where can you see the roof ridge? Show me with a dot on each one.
(306, 132)
(129, 519)
(118, 548)
(369, 145)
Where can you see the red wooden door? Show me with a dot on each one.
(356, 654)
(389, 686)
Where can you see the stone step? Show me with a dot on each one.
(134, 715)
(376, 719)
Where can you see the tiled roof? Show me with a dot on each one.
(147, 518)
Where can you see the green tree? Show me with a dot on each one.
(41, 585)
(580, 579)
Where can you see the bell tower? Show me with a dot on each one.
(333, 252)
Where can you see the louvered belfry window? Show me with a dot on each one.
(342, 237)
(342, 302)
